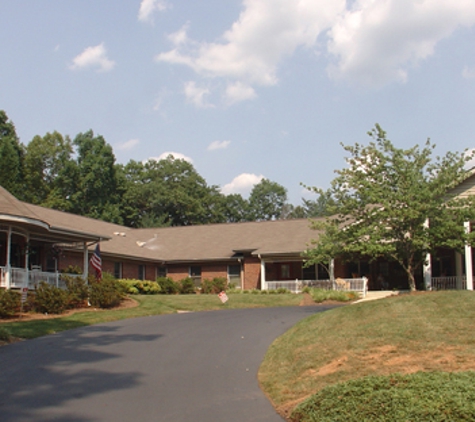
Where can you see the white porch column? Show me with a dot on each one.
(263, 275)
(85, 264)
(427, 270)
(332, 270)
(458, 269)
(468, 260)
(27, 260)
(8, 273)
(427, 267)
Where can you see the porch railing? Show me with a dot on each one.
(20, 277)
(449, 283)
(345, 284)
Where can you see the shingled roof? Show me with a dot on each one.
(170, 244)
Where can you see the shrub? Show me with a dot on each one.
(320, 295)
(78, 291)
(5, 335)
(50, 299)
(142, 287)
(423, 396)
(72, 269)
(214, 286)
(106, 293)
(168, 286)
(282, 290)
(187, 286)
(9, 303)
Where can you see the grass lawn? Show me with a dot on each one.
(427, 331)
(148, 305)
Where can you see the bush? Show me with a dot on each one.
(72, 269)
(142, 287)
(214, 286)
(9, 303)
(78, 291)
(50, 299)
(423, 396)
(168, 286)
(187, 286)
(106, 293)
(320, 295)
(5, 335)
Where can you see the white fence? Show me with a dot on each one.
(20, 277)
(449, 283)
(344, 284)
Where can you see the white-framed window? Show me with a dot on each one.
(118, 269)
(141, 275)
(195, 274)
(234, 275)
(161, 271)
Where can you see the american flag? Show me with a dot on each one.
(96, 262)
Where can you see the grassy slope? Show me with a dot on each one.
(405, 334)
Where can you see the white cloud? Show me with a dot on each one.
(93, 57)
(468, 72)
(242, 184)
(128, 144)
(377, 42)
(196, 95)
(239, 91)
(371, 42)
(175, 155)
(148, 7)
(218, 145)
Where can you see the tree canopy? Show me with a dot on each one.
(383, 199)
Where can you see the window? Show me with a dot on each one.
(309, 273)
(234, 275)
(322, 272)
(284, 271)
(118, 269)
(141, 272)
(161, 271)
(195, 274)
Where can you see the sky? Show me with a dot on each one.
(243, 89)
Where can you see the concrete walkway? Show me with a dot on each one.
(377, 294)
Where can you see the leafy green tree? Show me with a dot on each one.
(235, 208)
(11, 158)
(267, 200)
(50, 172)
(97, 193)
(383, 199)
(169, 192)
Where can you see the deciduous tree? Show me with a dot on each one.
(383, 199)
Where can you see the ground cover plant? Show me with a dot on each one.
(423, 396)
(421, 332)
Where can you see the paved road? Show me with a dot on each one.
(184, 367)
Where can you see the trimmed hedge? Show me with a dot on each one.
(140, 287)
(423, 396)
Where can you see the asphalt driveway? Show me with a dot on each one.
(184, 367)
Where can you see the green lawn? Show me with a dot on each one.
(428, 331)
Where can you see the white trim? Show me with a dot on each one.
(468, 259)
(17, 219)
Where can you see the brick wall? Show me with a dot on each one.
(252, 273)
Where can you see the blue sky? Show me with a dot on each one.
(243, 89)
